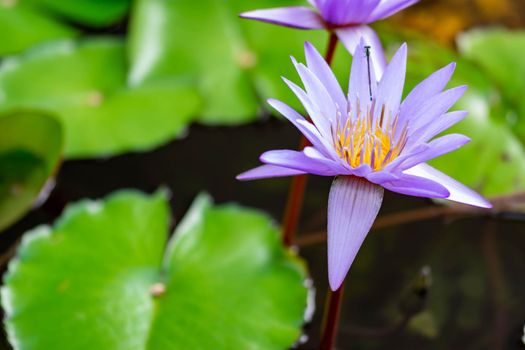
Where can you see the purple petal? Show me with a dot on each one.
(351, 37)
(434, 108)
(301, 95)
(405, 155)
(301, 162)
(438, 126)
(437, 147)
(267, 171)
(390, 88)
(345, 12)
(417, 186)
(458, 192)
(326, 109)
(427, 89)
(306, 128)
(380, 177)
(389, 7)
(299, 121)
(295, 17)
(317, 64)
(353, 205)
(326, 145)
(361, 171)
(363, 84)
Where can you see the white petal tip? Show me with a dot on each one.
(335, 282)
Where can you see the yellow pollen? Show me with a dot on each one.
(364, 141)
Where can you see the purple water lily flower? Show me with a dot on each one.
(370, 141)
(348, 19)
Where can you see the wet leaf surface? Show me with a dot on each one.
(224, 281)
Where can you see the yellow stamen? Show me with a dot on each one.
(365, 141)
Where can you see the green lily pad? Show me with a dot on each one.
(30, 148)
(25, 25)
(85, 85)
(171, 39)
(501, 168)
(496, 51)
(107, 281)
(236, 69)
(97, 13)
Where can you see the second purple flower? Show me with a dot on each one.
(348, 19)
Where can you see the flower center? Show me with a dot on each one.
(365, 141)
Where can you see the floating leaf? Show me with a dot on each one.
(24, 25)
(30, 22)
(496, 52)
(236, 69)
(84, 84)
(104, 282)
(30, 147)
(96, 13)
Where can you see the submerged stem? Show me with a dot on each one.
(331, 318)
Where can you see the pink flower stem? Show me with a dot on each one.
(331, 318)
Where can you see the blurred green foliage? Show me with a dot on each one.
(84, 84)
(29, 22)
(30, 148)
(107, 281)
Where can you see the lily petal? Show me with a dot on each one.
(428, 88)
(389, 7)
(353, 205)
(301, 162)
(390, 88)
(416, 186)
(434, 108)
(351, 37)
(436, 148)
(317, 64)
(301, 124)
(344, 12)
(458, 192)
(295, 17)
(321, 99)
(268, 171)
(438, 126)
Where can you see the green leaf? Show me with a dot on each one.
(104, 281)
(172, 39)
(30, 148)
(25, 26)
(97, 13)
(236, 69)
(496, 51)
(85, 85)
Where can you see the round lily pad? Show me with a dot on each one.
(25, 25)
(30, 148)
(84, 84)
(107, 280)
